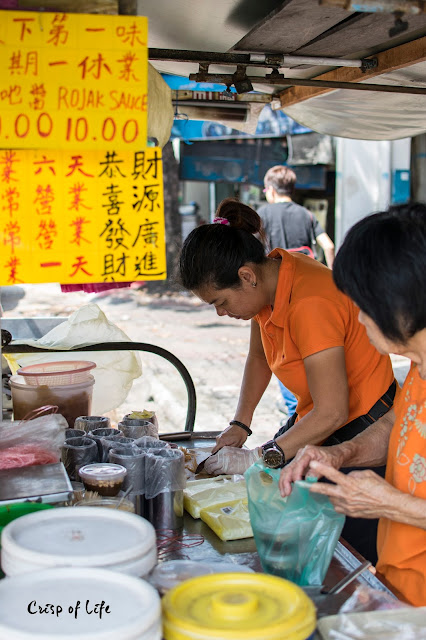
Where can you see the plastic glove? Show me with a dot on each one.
(231, 460)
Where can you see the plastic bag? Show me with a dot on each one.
(203, 494)
(295, 537)
(164, 472)
(33, 442)
(366, 598)
(115, 370)
(229, 520)
(407, 623)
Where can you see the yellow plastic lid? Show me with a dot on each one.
(236, 606)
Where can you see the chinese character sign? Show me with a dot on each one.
(81, 216)
(73, 81)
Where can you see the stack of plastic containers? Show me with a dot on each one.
(85, 604)
(75, 537)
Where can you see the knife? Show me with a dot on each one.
(200, 467)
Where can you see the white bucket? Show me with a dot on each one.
(134, 610)
(90, 537)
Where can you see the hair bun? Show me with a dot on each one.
(239, 215)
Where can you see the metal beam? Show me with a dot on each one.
(268, 60)
(208, 97)
(393, 59)
(326, 85)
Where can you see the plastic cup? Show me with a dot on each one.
(103, 477)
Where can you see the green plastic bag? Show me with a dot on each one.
(295, 536)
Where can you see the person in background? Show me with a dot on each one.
(290, 226)
(303, 330)
(382, 267)
(287, 224)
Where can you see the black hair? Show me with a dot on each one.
(213, 253)
(381, 265)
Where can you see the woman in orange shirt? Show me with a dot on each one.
(393, 309)
(303, 329)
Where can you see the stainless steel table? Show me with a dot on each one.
(244, 552)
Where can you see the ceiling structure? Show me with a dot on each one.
(315, 28)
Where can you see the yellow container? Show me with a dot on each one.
(235, 606)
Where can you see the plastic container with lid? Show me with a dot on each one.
(105, 478)
(55, 374)
(238, 606)
(134, 609)
(71, 399)
(110, 503)
(69, 537)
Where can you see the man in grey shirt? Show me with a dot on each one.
(287, 224)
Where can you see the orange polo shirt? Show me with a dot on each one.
(310, 315)
(402, 547)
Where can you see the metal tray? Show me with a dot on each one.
(40, 483)
(191, 439)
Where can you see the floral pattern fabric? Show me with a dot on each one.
(401, 547)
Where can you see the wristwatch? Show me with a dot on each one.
(272, 454)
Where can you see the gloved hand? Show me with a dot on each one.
(231, 460)
(232, 436)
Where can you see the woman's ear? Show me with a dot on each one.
(246, 275)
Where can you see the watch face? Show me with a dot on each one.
(272, 458)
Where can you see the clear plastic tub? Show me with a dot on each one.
(72, 400)
(57, 373)
(111, 503)
(103, 477)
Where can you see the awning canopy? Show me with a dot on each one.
(316, 29)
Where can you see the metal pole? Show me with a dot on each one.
(313, 60)
(299, 82)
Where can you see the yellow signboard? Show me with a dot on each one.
(81, 216)
(73, 81)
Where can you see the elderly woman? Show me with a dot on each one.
(382, 267)
(304, 330)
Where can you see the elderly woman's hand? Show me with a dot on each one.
(360, 494)
(231, 460)
(300, 466)
(233, 436)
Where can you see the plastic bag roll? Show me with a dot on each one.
(164, 472)
(107, 443)
(138, 428)
(148, 442)
(74, 433)
(76, 452)
(88, 423)
(134, 461)
(98, 434)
